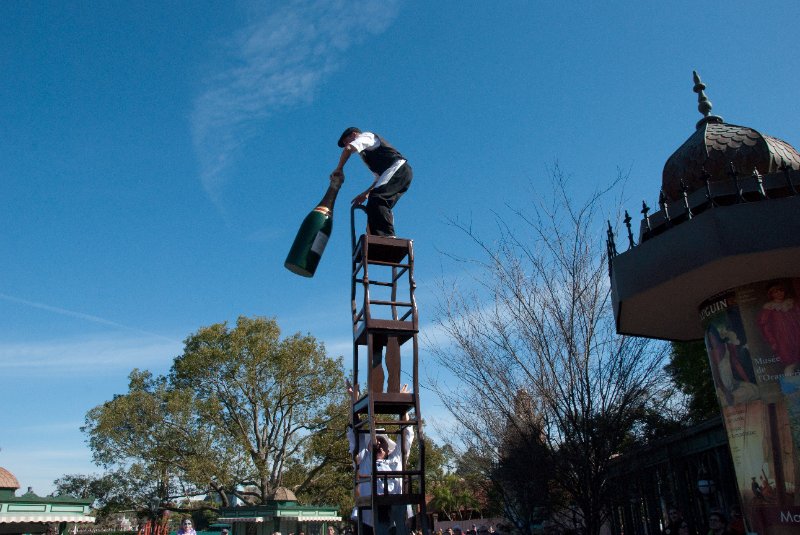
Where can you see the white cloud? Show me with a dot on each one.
(276, 62)
(340, 346)
(85, 356)
(94, 355)
(77, 315)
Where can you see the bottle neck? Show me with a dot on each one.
(327, 202)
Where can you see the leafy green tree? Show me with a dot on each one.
(453, 498)
(96, 487)
(240, 409)
(108, 491)
(148, 436)
(267, 396)
(439, 461)
(689, 369)
(444, 496)
(456, 483)
(476, 469)
(524, 475)
(330, 481)
(123, 490)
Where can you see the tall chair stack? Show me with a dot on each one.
(385, 330)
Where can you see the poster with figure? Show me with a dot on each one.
(779, 324)
(752, 337)
(748, 438)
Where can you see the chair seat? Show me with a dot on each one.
(383, 329)
(383, 249)
(390, 499)
(386, 403)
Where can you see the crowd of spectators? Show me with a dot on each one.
(718, 523)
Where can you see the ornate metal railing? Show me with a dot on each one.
(736, 189)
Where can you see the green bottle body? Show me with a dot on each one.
(311, 239)
(310, 242)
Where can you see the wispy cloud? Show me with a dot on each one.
(340, 346)
(276, 62)
(85, 356)
(77, 315)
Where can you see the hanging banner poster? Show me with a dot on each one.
(752, 336)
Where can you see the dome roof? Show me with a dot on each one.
(715, 145)
(282, 494)
(7, 480)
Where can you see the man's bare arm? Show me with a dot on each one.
(346, 152)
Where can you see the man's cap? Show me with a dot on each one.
(346, 133)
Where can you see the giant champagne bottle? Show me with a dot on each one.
(314, 232)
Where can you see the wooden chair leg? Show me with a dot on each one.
(376, 371)
(393, 364)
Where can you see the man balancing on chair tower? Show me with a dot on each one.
(392, 178)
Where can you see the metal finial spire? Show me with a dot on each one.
(703, 104)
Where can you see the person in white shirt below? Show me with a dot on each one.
(186, 527)
(389, 458)
(392, 176)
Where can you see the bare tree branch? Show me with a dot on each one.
(538, 324)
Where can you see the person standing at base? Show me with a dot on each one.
(675, 518)
(390, 456)
(392, 177)
(717, 523)
(186, 527)
(736, 525)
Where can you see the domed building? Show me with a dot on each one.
(282, 514)
(8, 483)
(30, 513)
(718, 259)
(715, 146)
(726, 215)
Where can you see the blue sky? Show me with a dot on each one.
(156, 159)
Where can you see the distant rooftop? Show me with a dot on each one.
(7, 480)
